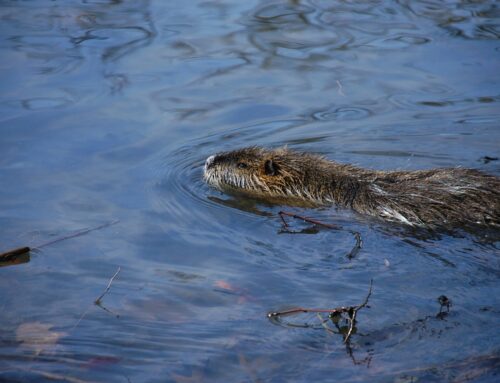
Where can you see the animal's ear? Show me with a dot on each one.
(270, 168)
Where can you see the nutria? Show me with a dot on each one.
(448, 197)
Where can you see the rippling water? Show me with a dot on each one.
(107, 112)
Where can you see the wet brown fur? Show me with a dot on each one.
(447, 197)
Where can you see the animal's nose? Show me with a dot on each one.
(210, 160)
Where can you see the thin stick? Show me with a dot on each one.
(81, 318)
(13, 253)
(354, 251)
(367, 297)
(285, 224)
(98, 300)
(351, 311)
(77, 234)
(337, 310)
(305, 219)
(357, 246)
(306, 310)
(355, 311)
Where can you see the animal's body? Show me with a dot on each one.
(447, 197)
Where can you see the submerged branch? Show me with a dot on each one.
(335, 314)
(77, 234)
(286, 228)
(357, 247)
(354, 312)
(13, 254)
(98, 300)
(305, 219)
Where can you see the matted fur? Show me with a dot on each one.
(432, 198)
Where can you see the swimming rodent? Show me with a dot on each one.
(447, 197)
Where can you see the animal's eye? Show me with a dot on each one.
(242, 165)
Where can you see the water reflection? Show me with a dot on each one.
(108, 111)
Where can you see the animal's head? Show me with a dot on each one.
(263, 172)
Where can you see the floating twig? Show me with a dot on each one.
(77, 234)
(9, 255)
(12, 254)
(333, 314)
(354, 312)
(303, 310)
(286, 228)
(305, 219)
(98, 300)
(357, 247)
(285, 224)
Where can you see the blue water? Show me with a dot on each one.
(108, 110)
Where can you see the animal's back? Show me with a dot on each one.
(439, 197)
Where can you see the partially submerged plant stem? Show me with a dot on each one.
(98, 300)
(11, 255)
(357, 247)
(305, 219)
(354, 312)
(350, 311)
(354, 251)
(77, 234)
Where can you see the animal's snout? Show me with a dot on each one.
(209, 162)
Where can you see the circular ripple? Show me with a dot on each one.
(342, 114)
(181, 193)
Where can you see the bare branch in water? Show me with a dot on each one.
(333, 314)
(354, 312)
(77, 234)
(98, 300)
(298, 310)
(357, 247)
(305, 219)
(11, 255)
(286, 228)
(285, 224)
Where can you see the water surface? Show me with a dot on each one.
(107, 112)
